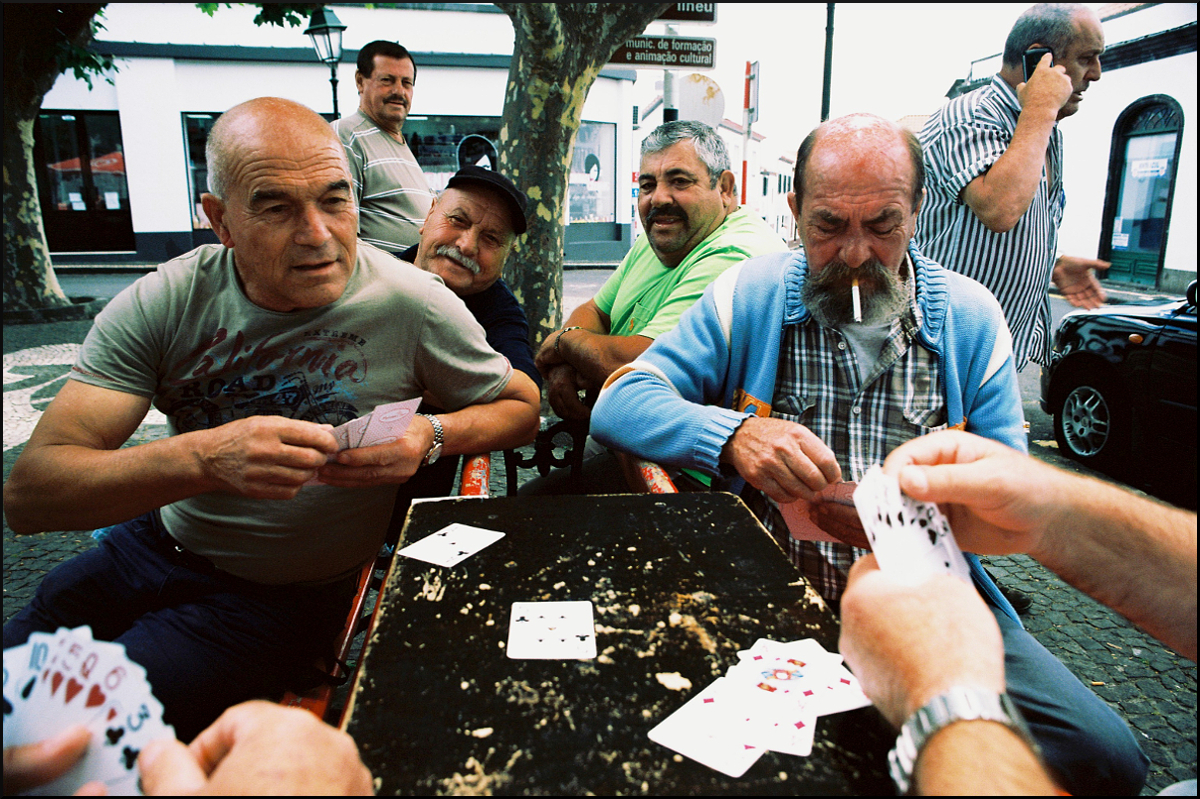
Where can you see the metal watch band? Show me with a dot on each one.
(436, 450)
(956, 704)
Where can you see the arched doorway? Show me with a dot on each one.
(1141, 186)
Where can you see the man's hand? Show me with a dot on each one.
(908, 644)
(549, 355)
(1048, 88)
(562, 389)
(258, 749)
(840, 521)
(997, 500)
(784, 460)
(1076, 279)
(393, 463)
(265, 457)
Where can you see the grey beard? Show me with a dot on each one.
(827, 295)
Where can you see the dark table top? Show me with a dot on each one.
(679, 584)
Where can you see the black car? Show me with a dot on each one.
(1121, 387)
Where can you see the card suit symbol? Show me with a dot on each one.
(55, 681)
(73, 688)
(8, 708)
(28, 689)
(114, 734)
(799, 725)
(112, 714)
(95, 697)
(129, 757)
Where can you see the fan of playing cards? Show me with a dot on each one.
(54, 681)
(769, 700)
(385, 424)
(911, 540)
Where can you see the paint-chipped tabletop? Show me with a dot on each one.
(679, 583)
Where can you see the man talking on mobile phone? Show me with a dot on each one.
(995, 185)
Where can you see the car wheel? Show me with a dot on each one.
(1090, 426)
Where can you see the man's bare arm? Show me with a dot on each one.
(1002, 195)
(592, 350)
(72, 474)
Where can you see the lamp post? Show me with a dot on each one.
(325, 31)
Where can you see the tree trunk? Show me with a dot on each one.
(29, 279)
(40, 41)
(559, 50)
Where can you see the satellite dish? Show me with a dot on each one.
(699, 98)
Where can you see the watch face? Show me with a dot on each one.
(433, 455)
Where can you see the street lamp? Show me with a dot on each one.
(325, 31)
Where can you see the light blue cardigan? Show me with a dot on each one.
(675, 405)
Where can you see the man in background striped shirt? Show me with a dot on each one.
(995, 192)
(393, 196)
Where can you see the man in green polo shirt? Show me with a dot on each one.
(694, 231)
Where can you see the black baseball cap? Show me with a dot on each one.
(513, 197)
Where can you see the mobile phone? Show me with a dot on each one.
(1031, 58)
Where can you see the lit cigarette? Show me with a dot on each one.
(856, 300)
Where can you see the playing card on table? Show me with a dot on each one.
(552, 631)
(451, 545)
(54, 681)
(910, 539)
(701, 730)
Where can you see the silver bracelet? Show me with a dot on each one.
(558, 338)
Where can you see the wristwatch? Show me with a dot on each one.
(435, 451)
(956, 704)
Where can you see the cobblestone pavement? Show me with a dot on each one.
(1150, 686)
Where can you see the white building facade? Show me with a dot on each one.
(121, 164)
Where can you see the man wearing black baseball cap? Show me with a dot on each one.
(465, 240)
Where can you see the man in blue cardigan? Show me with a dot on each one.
(799, 370)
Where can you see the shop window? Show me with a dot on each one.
(592, 193)
(84, 196)
(1137, 208)
(196, 128)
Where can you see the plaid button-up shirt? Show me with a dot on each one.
(818, 386)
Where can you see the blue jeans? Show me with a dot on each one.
(207, 639)
(1085, 743)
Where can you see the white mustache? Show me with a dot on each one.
(452, 252)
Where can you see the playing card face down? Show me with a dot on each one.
(53, 681)
(911, 540)
(552, 631)
(451, 545)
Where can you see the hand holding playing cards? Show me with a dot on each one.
(906, 644)
(999, 501)
(784, 460)
(31, 765)
(266, 457)
(394, 462)
(258, 748)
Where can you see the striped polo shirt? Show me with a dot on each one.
(961, 142)
(393, 196)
